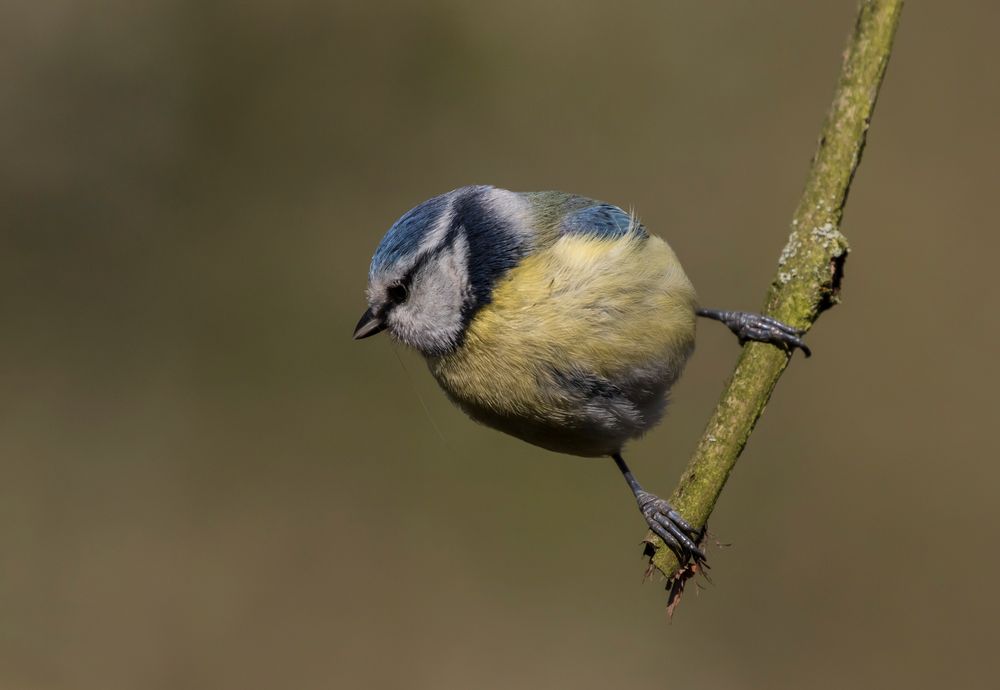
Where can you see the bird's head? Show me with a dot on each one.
(437, 265)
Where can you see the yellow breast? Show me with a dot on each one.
(574, 338)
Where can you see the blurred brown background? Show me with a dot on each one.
(204, 483)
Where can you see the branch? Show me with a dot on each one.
(807, 281)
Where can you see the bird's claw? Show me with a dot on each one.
(669, 526)
(747, 326)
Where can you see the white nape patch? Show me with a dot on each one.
(514, 208)
(431, 320)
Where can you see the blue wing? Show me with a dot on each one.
(600, 220)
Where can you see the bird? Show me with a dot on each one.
(552, 317)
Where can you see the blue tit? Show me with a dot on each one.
(551, 317)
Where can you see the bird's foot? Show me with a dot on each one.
(674, 530)
(758, 327)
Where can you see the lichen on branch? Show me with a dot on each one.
(806, 283)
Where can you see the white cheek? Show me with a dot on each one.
(431, 320)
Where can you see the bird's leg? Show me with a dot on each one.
(666, 522)
(757, 327)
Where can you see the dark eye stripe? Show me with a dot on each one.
(403, 286)
(397, 293)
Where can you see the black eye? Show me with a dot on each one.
(397, 293)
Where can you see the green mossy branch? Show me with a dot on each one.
(806, 283)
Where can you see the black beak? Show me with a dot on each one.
(368, 325)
